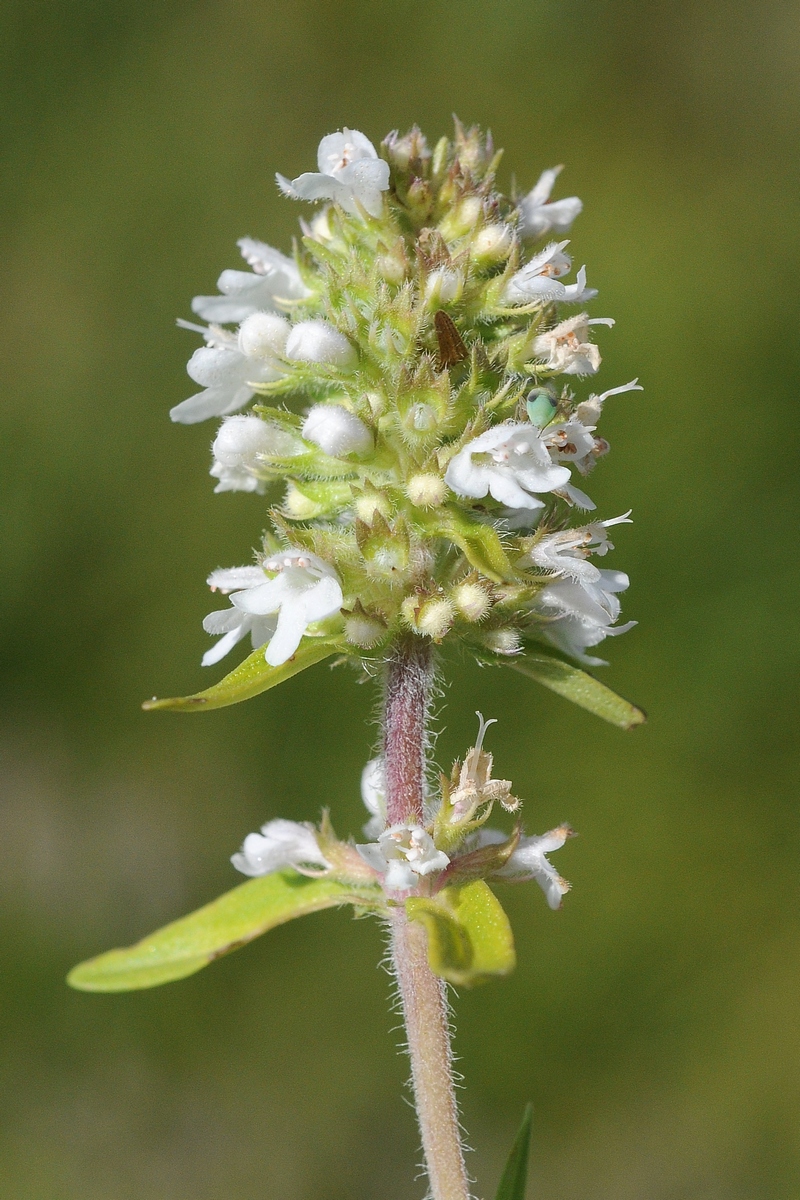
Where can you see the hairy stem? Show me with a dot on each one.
(422, 993)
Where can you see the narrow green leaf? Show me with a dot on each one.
(230, 921)
(469, 936)
(515, 1175)
(581, 688)
(251, 677)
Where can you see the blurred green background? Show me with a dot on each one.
(654, 1021)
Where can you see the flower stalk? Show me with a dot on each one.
(422, 994)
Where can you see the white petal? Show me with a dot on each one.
(228, 579)
(288, 634)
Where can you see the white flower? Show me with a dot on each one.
(337, 431)
(226, 372)
(589, 411)
(281, 844)
(350, 173)
(239, 448)
(572, 441)
(585, 613)
(529, 861)
(510, 462)
(303, 589)
(539, 280)
(567, 551)
(318, 341)
(567, 348)
(274, 277)
(373, 793)
(539, 215)
(401, 854)
(229, 624)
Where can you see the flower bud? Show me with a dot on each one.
(364, 631)
(317, 341)
(502, 641)
(426, 491)
(371, 502)
(240, 444)
(430, 616)
(263, 335)
(392, 267)
(492, 244)
(421, 418)
(337, 431)
(471, 600)
(443, 286)
(461, 219)
(410, 149)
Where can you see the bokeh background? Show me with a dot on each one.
(654, 1021)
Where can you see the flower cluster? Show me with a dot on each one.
(409, 858)
(410, 379)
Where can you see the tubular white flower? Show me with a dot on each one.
(317, 341)
(337, 431)
(230, 625)
(585, 613)
(350, 173)
(567, 551)
(401, 854)
(373, 793)
(274, 277)
(281, 844)
(539, 215)
(566, 347)
(239, 448)
(510, 462)
(529, 861)
(304, 589)
(539, 280)
(226, 373)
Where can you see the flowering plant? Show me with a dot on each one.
(408, 380)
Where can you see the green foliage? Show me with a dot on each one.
(230, 921)
(581, 688)
(515, 1174)
(469, 935)
(251, 677)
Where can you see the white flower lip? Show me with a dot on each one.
(539, 215)
(274, 277)
(350, 173)
(511, 462)
(281, 844)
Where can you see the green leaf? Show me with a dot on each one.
(251, 677)
(515, 1175)
(230, 921)
(581, 688)
(469, 936)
